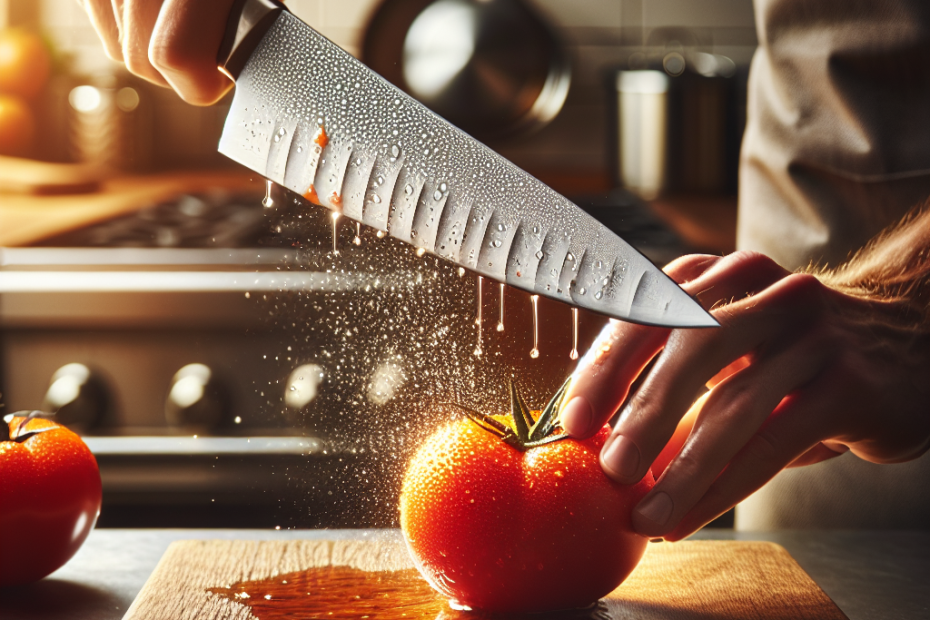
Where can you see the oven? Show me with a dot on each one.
(236, 365)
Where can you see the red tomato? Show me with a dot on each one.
(503, 529)
(49, 498)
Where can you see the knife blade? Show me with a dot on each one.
(309, 116)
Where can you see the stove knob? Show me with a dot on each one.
(77, 396)
(196, 400)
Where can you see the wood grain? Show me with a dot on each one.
(685, 580)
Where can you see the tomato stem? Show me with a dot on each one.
(526, 432)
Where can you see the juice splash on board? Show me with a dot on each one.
(346, 593)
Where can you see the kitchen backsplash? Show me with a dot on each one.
(600, 36)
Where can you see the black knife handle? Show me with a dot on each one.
(248, 22)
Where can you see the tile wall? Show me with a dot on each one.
(599, 35)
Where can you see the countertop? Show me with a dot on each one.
(868, 574)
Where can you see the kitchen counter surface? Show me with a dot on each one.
(870, 575)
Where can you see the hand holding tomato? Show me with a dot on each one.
(801, 371)
(501, 519)
(49, 497)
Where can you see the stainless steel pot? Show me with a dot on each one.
(493, 68)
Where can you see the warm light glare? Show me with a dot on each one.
(85, 98)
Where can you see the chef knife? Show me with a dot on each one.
(309, 116)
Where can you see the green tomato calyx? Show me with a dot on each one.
(527, 432)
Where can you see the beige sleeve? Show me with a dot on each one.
(837, 143)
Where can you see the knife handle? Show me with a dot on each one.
(248, 22)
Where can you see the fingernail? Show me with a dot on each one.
(657, 508)
(621, 459)
(577, 417)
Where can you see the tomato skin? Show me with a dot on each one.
(501, 530)
(49, 501)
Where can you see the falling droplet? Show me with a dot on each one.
(478, 302)
(574, 354)
(358, 234)
(461, 271)
(335, 232)
(267, 201)
(535, 351)
(479, 296)
(421, 251)
(500, 315)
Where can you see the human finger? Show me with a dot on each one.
(689, 360)
(103, 17)
(730, 419)
(602, 380)
(138, 19)
(183, 48)
(792, 431)
(730, 369)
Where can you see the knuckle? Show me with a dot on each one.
(167, 58)
(750, 261)
(766, 450)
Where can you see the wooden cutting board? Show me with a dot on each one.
(226, 580)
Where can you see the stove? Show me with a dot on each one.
(227, 368)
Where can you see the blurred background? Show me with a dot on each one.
(224, 364)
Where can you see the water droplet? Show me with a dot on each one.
(380, 234)
(461, 271)
(570, 257)
(413, 234)
(408, 189)
(582, 290)
(574, 354)
(421, 251)
(443, 187)
(598, 295)
(534, 353)
(437, 195)
(395, 151)
(496, 243)
(539, 255)
(300, 149)
(375, 198)
(267, 201)
(380, 179)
